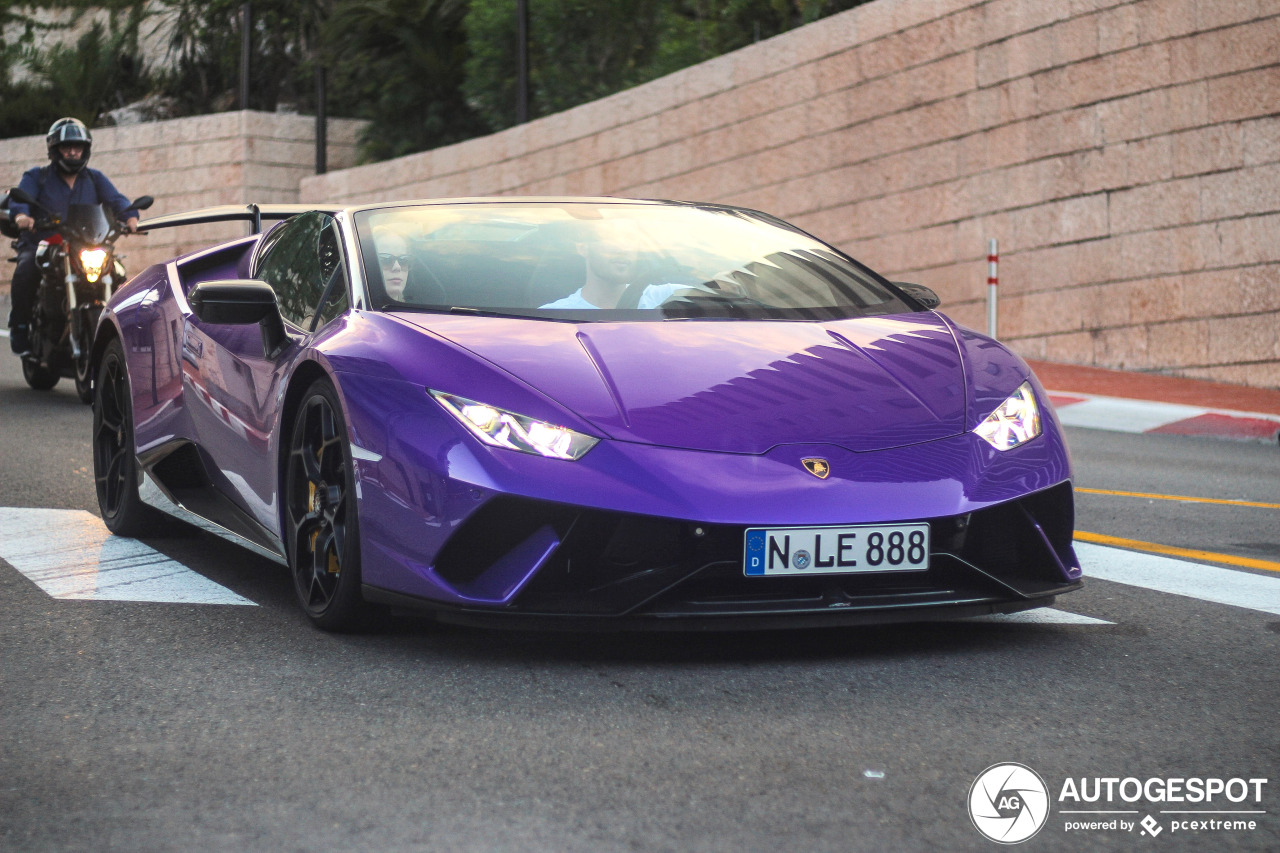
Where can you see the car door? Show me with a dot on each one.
(234, 391)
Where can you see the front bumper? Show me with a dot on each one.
(526, 563)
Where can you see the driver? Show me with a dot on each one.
(64, 182)
(611, 260)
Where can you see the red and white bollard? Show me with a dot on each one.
(993, 281)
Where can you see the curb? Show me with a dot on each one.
(1118, 414)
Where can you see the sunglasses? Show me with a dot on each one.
(389, 261)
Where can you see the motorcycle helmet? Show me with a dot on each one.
(63, 131)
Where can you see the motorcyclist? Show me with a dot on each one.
(65, 181)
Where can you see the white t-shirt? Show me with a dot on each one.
(653, 296)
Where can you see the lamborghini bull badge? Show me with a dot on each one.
(819, 468)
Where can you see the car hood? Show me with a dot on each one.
(741, 387)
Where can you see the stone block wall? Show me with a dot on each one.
(202, 161)
(1126, 154)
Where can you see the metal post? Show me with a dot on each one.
(322, 124)
(246, 44)
(522, 61)
(993, 282)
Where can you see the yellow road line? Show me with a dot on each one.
(1207, 556)
(1184, 498)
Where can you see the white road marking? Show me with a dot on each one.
(1122, 415)
(1180, 577)
(71, 554)
(1040, 616)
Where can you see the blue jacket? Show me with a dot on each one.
(91, 187)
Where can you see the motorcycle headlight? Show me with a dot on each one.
(1016, 421)
(501, 428)
(93, 261)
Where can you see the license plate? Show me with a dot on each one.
(857, 549)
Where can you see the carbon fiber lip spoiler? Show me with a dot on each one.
(253, 213)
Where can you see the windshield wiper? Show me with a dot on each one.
(482, 312)
(728, 306)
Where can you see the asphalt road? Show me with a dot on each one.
(141, 726)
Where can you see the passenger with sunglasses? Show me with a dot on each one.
(394, 261)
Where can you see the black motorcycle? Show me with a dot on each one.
(78, 273)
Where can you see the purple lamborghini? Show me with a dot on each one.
(579, 413)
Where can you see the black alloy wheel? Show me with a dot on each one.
(115, 467)
(320, 513)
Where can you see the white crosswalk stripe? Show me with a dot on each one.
(71, 554)
(1180, 577)
(1040, 616)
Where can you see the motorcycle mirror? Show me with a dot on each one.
(20, 195)
(143, 203)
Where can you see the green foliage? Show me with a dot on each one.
(14, 98)
(401, 64)
(204, 52)
(102, 71)
(397, 63)
(424, 73)
(580, 50)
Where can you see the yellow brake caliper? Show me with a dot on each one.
(311, 507)
(313, 504)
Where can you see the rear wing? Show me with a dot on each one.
(252, 213)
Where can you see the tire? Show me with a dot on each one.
(84, 384)
(321, 525)
(39, 378)
(115, 466)
(84, 365)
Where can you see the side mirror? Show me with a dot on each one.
(924, 295)
(241, 302)
(142, 203)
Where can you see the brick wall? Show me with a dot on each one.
(1126, 153)
(228, 158)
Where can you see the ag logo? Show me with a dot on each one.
(1008, 803)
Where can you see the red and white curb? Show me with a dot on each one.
(1145, 416)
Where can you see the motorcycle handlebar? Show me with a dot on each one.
(51, 221)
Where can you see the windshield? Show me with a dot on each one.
(89, 222)
(602, 261)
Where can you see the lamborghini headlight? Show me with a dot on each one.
(500, 428)
(92, 261)
(1015, 422)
